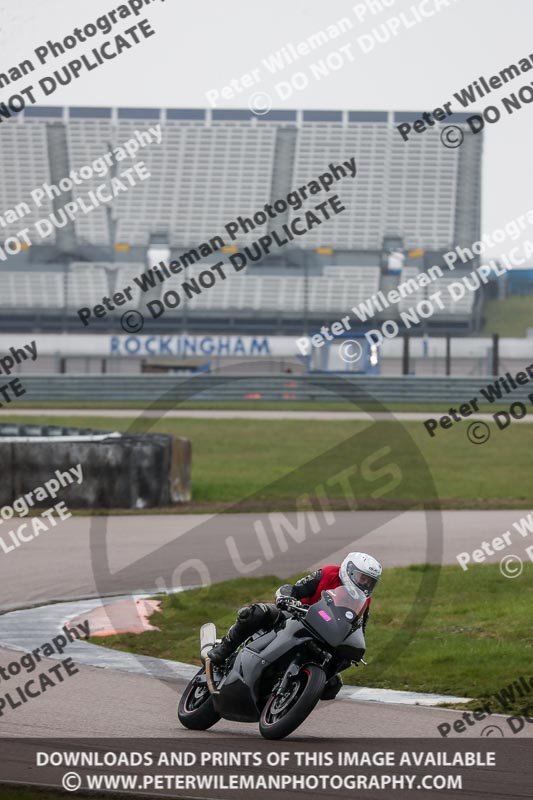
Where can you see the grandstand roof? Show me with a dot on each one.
(228, 114)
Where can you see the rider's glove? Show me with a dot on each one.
(284, 602)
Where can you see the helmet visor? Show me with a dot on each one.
(360, 579)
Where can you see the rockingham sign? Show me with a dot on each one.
(220, 346)
(185, 346)
(146, 346)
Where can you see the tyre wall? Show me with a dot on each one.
(130, 471)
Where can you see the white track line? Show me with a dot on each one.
(406, 416)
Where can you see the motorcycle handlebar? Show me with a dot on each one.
(297, 608)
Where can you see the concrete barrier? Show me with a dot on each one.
(130, 471)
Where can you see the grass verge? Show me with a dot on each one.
(243, 458)
(509, 317)
(476, 639)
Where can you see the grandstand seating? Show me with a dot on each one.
(202, 178)
(209, 169)
(26, 290)
(86, 285)
(329, 293)
(124, 276)
(420, 197)
(320, 144)
(88, 140)
(24, 167)
(462, 307)
(213, 166)
(405, 303)
(334, 292)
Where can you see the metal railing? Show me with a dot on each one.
(216, 387)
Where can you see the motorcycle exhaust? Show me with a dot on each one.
(209, 676)
(208, 639)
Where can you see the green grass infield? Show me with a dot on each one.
(261, 464)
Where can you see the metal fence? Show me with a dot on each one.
(324, 388)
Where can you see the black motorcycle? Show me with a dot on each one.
(278, 676)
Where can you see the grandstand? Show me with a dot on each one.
(212, 166)
(25, 164)
(463, 307)
(252, 302)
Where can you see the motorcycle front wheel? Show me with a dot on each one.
(196, 710)
(284, 713)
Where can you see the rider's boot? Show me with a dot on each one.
(236, 635)
(222, 651)
(249, 620)
(332, 688)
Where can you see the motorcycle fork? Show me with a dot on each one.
(291, 672)
(295, 667)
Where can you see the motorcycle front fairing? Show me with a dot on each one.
(240, 691)
(334, 619)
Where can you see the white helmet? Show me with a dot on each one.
(360, 570)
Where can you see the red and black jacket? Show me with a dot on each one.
(309, 589)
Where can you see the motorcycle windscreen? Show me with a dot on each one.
(333, 617)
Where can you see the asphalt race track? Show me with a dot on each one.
(105, 703)
(89, 557)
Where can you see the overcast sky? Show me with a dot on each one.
(201, 46)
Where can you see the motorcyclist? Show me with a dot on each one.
(357, 569)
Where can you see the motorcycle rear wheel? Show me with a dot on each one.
(196, 710)
(282, 715)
